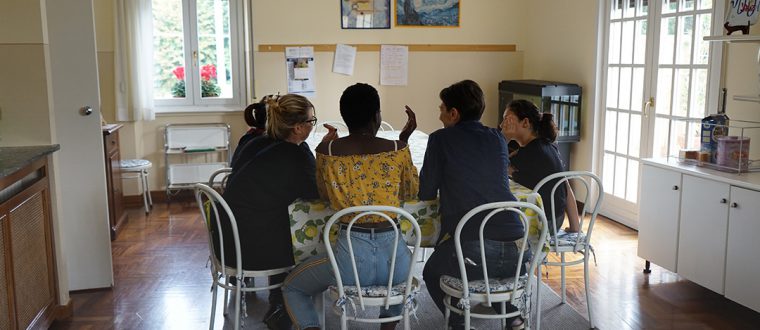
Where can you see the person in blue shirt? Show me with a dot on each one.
(466, 166)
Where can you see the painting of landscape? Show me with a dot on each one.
(443, 13)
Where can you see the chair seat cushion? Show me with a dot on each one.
(479, 286)
(372, 291)
(568, 239)
(134, 163)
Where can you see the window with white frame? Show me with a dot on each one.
(197, 55)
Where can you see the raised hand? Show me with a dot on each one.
(332, 133)
(410, 126)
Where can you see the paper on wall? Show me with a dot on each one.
(300, 70)
(345, 57)
(394, 65)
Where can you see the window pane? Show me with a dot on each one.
(678, 137)
(669, 6)
(634, 142)
(632, 186)
(626, 48)
(622, 133)
(693, 135)
(705, 4)
(667, 39)
(681, 93)
(698, 94)
(685, 33)
(621, 166)
(168, 54)
(643, 7)
(637, 89)
(214, 53)
(612, 87)
(686, 5)
(640, 46)
(664, 81)
(610, 124)
(614, 52)
(661, 134)
(616, 10)
(625, 88)
(608, 172)
(629, 9)
(702, 48)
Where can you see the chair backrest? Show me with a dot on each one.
(380, 212)
(209, 202)
(593, 188)
(493, 208)
(224, 174)
(341, 126)
(385, 126)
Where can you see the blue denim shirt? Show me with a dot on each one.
(467, 164)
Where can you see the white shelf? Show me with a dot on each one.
(736, 38)
(747, 98)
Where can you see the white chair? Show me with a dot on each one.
(221, 183)
(341, 126)
(494, 290)
(385, 126)
(138, 169)
(561, 243)
(383, 296)
(209, 202)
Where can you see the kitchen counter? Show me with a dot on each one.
(13, 159)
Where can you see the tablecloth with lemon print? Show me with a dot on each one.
(308, 219)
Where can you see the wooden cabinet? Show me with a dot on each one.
(116, 215)
(28, 276)
(743, 250)
(658, 227)
(702, 231)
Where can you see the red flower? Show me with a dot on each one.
(208, 71)
(179, 72)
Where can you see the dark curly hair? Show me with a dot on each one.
(359, 105)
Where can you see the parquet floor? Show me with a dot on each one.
(161, 283)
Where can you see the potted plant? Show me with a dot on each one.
(209, 87)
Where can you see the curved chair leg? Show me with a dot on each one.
(538, 299)
(144, 188)
(585, 283)
(466, 317)
(406, 319)
(503, 311)
(213, 305)
(238, 281)
(147, 190)
(446, 312)
(562, 273)
(226, 294)
(343, 321)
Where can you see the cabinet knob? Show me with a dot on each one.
(723, 201)
(734, 205)
(675, 187)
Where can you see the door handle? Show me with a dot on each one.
(723, 201)
(648, 105)
(675, 187)
(85, 110)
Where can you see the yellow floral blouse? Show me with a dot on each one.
(386, 178)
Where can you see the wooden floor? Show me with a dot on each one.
(161, 282)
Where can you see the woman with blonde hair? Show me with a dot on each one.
(271, 172)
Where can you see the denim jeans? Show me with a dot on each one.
(373, 254)
(501, 259)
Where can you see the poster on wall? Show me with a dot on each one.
(394, 65)
(300, 71)
(427, 13)
(365, 14)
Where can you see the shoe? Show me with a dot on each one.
(277, 318)
(517, 324)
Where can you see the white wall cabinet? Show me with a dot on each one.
(658, 223)
(704, 225)
(702, 231)
(743, 252)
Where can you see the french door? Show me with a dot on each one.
(656, 84)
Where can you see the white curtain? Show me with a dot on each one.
(133, 60)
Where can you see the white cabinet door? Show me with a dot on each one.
(743, 254)
(702, 234)
(658, 216)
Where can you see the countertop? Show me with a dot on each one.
(749, 180)
(13, 159)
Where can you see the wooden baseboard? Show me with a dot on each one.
(158, 197)
(63, 312)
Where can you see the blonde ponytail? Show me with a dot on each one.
(284, 112)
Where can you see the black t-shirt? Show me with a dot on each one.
(535, 161)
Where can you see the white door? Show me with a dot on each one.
(742, 258)
(655, 90)
(660, 207)
(80, 168)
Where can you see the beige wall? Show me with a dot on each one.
(560, 45)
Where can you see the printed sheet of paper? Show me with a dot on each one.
(394, 65)
(301, 70)
(345, 57)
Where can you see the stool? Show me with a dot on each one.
(138, 169)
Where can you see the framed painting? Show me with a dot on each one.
(365, 14)
(438, 13)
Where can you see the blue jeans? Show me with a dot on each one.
(501, 259)
(373, 254)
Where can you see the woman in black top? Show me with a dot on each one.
(272, 171)
(537, 157)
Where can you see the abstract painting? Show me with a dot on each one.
(442, 13)
(365, 14)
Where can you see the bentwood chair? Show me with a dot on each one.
(221, 182)
(515, 290)
(209, 202)
(580, 242)
(385, 295)
(385, 126)
(341, 126)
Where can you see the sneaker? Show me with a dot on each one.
(277, 318)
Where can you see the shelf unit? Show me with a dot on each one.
(744, 38)
(192, 152)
